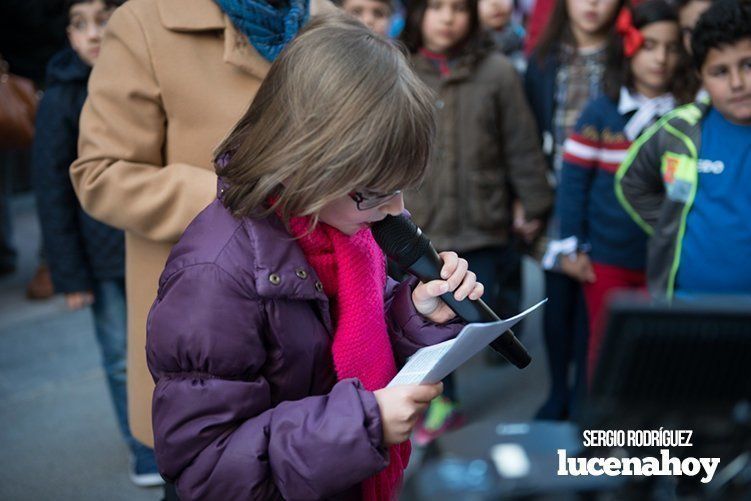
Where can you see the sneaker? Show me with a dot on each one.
(442, 416)
(143, 470)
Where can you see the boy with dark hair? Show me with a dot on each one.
(86, 258)
(496, 16)
(687, 181)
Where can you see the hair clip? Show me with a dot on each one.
(632, 37)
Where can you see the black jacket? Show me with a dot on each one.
(79, 249)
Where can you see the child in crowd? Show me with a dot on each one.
(486, 156)
(689, 12)
(687, 180)
(375, 14)
(275, 329)
(563, 74)
(638, 89)
(86, 258)
(496, 17)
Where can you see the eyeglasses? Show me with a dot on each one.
(369, 200)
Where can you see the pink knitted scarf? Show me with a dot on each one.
(353, 272)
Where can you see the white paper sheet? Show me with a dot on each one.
(433, 363)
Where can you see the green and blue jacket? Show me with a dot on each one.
(656, 184)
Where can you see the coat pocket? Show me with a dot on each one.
(488, 200)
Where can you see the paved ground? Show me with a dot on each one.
(58, 437)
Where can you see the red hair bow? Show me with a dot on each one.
(632, 38)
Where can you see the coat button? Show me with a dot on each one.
(302, 274)
(275, 279)
(319, 286)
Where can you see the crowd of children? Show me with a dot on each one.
(86, 257)
(617, 153)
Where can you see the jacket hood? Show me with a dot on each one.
(65, 67)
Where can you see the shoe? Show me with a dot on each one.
(143, 469)
(442, 416)
(40, 286)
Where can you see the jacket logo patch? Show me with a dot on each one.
(679, 176)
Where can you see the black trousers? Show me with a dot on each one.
(566, 335)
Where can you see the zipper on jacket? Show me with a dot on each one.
(686, 208)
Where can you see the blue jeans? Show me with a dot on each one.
(110, 326)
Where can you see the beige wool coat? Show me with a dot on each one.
(173, 78)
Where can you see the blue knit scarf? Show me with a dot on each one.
(268, 28)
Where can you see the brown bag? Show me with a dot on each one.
(18, 104)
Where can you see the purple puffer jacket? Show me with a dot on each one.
(246, 404)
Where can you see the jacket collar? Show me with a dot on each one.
(205, 15)
(461, 64)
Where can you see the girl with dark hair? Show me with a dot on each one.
(639, 86)
(689, 12)
(563, 73)
(486, 158)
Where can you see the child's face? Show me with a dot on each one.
(726, 75)
(344, 215)
(86, 27)
(653, 66)
(590, 17)
(687, 18)
(445, 24)
(495, 14)
(372, 13)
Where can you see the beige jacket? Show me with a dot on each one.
(173, 78)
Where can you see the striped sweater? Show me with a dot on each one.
(586, 203)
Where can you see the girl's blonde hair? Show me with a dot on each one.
(339, 110)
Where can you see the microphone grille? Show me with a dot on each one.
(400, 239)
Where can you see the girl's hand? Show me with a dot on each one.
(400, 407)
(457, 278)
(579, 267)
(78, 300)
(528, 230)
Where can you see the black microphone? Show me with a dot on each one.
(403, 242)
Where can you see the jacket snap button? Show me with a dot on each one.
(319, 286)
(302, 273)
(275, 279)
